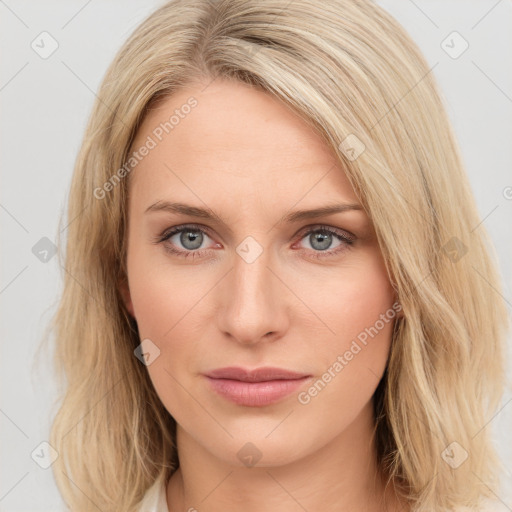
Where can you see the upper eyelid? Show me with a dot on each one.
(182, 227)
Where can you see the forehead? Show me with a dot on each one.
(234, 143)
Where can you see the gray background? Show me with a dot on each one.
(45, 104)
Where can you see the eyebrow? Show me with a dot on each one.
(295, 216)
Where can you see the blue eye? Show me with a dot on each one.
(321, 239)
(191, 238)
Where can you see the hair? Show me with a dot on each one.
(348, 69)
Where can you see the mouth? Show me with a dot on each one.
(255, 388)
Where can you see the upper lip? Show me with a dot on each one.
(256, 375)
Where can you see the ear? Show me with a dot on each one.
(124, 290)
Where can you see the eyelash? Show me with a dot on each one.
(346, 239)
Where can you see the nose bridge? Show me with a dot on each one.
(252, 307)
(252, 278)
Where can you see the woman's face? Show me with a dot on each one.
(250, 282)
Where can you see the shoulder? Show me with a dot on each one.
(155, 499)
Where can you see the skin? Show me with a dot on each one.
(252, 161)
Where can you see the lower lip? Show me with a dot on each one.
(255, 394)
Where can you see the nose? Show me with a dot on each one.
(253, 302)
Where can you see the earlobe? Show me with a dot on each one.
(124, 290)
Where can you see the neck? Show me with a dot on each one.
(343, 475)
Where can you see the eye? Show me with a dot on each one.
(190, 237)
(185, 241)
(321, 238)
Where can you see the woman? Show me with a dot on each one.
(275, 296)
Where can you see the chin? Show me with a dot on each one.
(252, 450)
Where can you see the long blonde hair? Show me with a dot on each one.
(351, 72)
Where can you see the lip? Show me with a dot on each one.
(255, 388)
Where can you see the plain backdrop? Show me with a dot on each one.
(45, 103)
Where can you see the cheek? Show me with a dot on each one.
(347, 381)
(170, 308)
(162, 293)
(359, 311)
(351, 299)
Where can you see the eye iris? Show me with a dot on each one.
(196, 237)
(321, 238)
